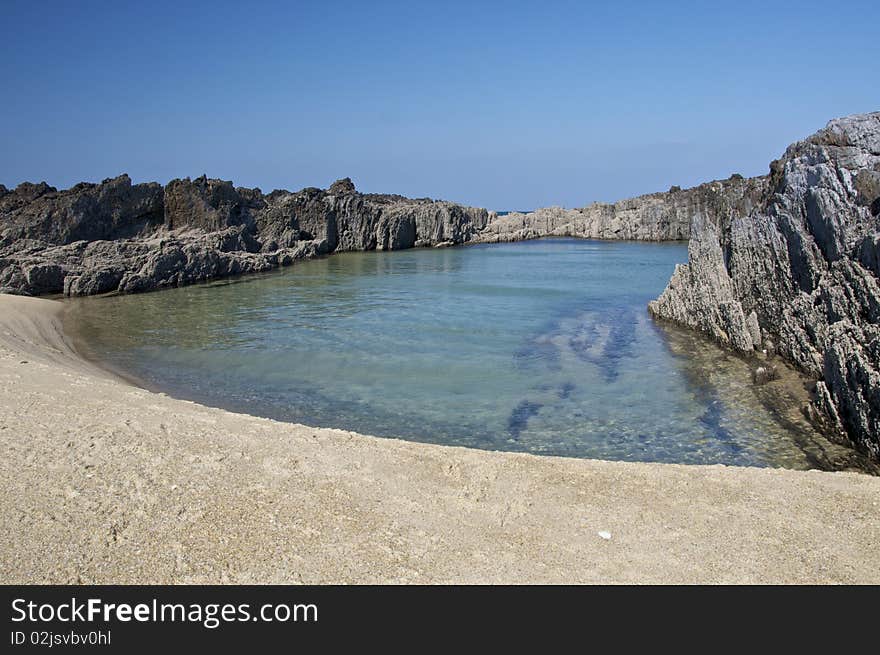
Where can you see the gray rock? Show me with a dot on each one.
(93, 281)
(207, 205)
(786, 263)
(701, 294)
(111, 210)
(341, 187)
(654, 217)
(764, 374)
(44, 278)
(804, 263)
(115, 236)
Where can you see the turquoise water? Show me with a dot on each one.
(543, 347)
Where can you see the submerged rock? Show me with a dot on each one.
(801, 268)
(764, 374)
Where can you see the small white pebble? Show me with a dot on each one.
(605, 535)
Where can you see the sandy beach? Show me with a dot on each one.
(103, 482)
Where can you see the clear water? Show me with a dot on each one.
(542, 346)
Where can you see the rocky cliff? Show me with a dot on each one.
(119, 236)
(798, 274)
(116, 236)
(653, 217)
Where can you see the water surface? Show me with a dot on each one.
(542, 346)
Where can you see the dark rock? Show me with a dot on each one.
(111, 210)
(44, 278)
(342, 187)
(786, 263)
(868, 253)
(519, 417)
(115, 236)
(205, 204)
(92, 282)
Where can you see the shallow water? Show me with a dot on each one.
(543, 347)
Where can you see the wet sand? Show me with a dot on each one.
(103, 482)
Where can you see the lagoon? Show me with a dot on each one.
(543, 347)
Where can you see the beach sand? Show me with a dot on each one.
(103, 482)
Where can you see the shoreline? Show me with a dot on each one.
(784, 396)
(106, 482)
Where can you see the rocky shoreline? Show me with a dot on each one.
(122, 237)
(116, 236)
(109, 483)
(797, 275)
(664, 216)
(781, 264)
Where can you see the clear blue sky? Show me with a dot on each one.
(506, 105)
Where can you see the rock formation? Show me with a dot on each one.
(653, 217)
(786, 263)
(798, 274)
(116, 236)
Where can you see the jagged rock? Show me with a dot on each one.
(654, 217)
(93, 281)
(786, 263)
(869, 253)
(768, 347)
(341, 187)
(115, 236)
(111, 210)
(204, 204)
(44, 278)
(701, 294)
(804, 263)
(754, 329)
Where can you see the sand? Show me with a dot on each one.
(103, 482)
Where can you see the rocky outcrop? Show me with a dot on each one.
(798, 274)
(113, 209)
(654, 217)
(786, 263)
(116, 236)
(208, 205)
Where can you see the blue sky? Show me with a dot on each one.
(506, 105)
